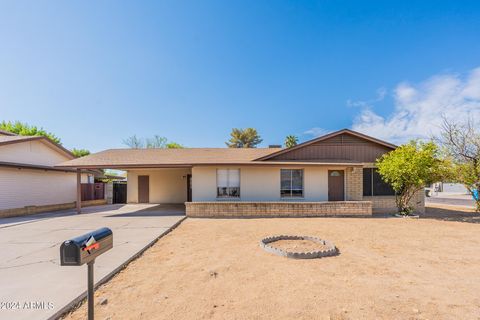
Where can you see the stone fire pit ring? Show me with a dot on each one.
(331, 250)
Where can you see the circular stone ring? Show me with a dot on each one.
(330, 249)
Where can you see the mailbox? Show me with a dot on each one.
(86, 248)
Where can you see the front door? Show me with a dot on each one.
(336, 186)
(143, 189)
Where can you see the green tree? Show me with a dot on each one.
(244, 138)
(461, 142)
(80, 152)
(409, 168)
(173, 145)
(291, 141)
(24, 129)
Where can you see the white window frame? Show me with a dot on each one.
(228, 183)
(291, 182)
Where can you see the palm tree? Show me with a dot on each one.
(291, 141)
(244, 138)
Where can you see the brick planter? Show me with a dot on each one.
(220, 209)
(330, 250)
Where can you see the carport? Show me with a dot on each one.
(153, 175)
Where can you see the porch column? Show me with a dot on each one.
(354, 182)
(79, 191)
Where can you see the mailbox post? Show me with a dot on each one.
(84, 249)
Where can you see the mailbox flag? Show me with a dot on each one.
(91, 244)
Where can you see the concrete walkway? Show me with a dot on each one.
(32, 281)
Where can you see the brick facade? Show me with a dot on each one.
(354, 184)
(278, 209)
(28, 210)
(386, 204)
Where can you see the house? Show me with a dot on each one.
(331, 175)
(29, 180)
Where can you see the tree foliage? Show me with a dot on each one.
(80, 152)
(156, 142)
(409, 168)
(173, 145)
(291, 141)
(461, 142)
(24, 129)
(244, 138)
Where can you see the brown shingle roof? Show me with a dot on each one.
(127, 158)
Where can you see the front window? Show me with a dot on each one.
(228, 183)
(291, 185)
(373, 184)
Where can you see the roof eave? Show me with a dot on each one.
(172, 166)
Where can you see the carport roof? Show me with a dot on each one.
(187, 157)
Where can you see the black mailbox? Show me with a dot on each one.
(86, 248)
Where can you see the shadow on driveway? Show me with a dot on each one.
(12, 221)
(155, 211)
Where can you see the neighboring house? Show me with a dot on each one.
(29, 182)
(330, 175)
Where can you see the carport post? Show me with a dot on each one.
(79, 190)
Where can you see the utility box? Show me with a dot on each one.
(86, 248)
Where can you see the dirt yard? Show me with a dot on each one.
(388, 268)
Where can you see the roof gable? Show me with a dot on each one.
(7, 133)
(16, 139)
(340, 145)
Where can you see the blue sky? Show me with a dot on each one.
(95, 72)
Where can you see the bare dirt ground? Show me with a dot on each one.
(388, 268)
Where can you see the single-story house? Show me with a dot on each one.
(331, 175)
(29, 180)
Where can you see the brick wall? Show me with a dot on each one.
(354, 184)
(28, 210)
(278, 209)
(386, 204)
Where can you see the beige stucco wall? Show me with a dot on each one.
(26, 187)
(261, 183)
(166, 185)
(31, 152)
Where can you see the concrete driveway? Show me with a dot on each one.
(33, 285)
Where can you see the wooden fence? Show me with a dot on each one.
(93, 191)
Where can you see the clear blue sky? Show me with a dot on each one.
(95, 72)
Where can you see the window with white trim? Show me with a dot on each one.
(291, 183)
(228, 183)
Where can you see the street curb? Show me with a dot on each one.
(79, 300)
